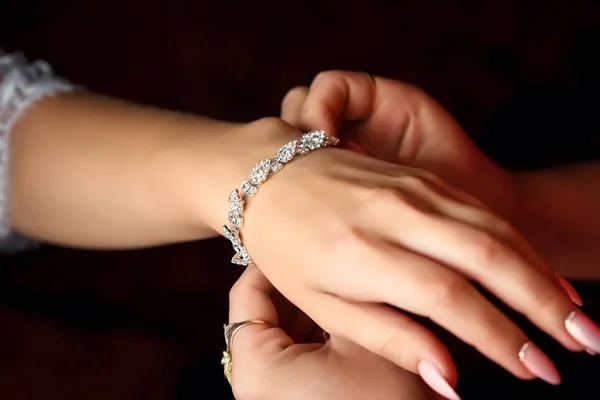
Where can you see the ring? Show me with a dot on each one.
(230, 330)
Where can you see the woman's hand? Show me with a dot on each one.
(354, 241)
(290, 361)
(400, 123)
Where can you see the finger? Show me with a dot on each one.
(375, 104)
(291, 105)
(464, 207)
(424, 287)
(401, 384)
(451, 201)
(250, 299)
(388, 333)
(291, 112)
(483, 257)
(451, 191)
(485, 220)
(335, 96)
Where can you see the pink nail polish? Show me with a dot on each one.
(591, 352)
(538, 363)
(583, 330)
(432, 376)
(571, 292)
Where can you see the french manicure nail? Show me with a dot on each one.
(432, 376)
(586, 332)
(538, 363)
(571, 292)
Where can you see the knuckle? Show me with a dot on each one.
(486, 250)
(348, 247)
(502, 226)
(415, 182)
(448, 291)
(383, 197)
(346, 269)
(398, 202)
(548, 300)
(327, 76)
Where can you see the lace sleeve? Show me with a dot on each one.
(21, 84)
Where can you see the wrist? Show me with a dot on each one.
(212, 158)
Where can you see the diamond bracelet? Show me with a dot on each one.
(258, 174)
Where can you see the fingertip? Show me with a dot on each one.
(539, 364)
(440, 356)
(335, 96)
(292, 95)
(432, 376)
(292, 103)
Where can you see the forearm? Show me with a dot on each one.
(92, 171)
(559, 212)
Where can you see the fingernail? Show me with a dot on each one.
(591, 352)
(571, 292)
(432, 376)
(538, 363)
(583, 330)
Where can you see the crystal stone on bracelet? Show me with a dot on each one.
(248, 188)
(258, 174)
(287, 152)
(312, 141)
(241, 256)
(276, 166)
(235, 219)
(236, 207)
(236, 201)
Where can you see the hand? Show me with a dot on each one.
(290, 361)
(353, 241)
(399, 123)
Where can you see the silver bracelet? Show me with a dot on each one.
(258, 174)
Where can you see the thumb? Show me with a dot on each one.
(333, 97)
(250, 299)
(291, 105)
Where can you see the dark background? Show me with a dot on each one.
(521, 77)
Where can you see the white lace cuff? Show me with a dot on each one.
(21, 84)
